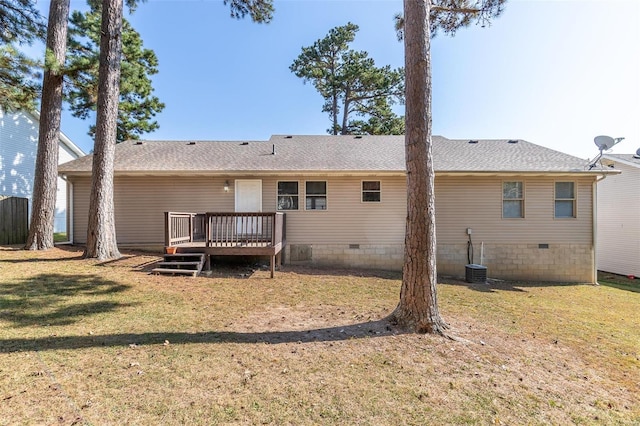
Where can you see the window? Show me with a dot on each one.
(316, 195)
(565, 201)
(370, 191)
(288, 196)
(512, 200)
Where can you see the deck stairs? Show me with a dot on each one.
(181, 264)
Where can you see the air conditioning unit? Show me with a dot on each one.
(476, 273)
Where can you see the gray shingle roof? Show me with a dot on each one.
(327, 153)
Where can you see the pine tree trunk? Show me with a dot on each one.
(45, 183)
(334, 112)
(345, 113)
(418, 307)
(101, 231)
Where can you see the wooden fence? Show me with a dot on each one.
(14, 220)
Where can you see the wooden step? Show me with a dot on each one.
(191, 272)
(179, 263)
(184, 255)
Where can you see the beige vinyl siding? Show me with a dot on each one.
(80, 208)
(347, 220)
(538, 247)
(476, 203)
(353, 233)
(461, 203)
(619, 222)
(141, 201)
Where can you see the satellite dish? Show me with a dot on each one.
(604, 142)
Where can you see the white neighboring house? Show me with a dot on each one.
(18, 150)
(619, 216)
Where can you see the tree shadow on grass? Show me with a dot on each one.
(493, 285)
(342, 271)
(370, 329)
(51, 299)
(43, 259)
(247, 269)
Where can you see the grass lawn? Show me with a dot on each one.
(83, 342)
(60, 237)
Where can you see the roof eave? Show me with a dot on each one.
(231, 173)
(622, 161)
(63, 138)
(526, 172)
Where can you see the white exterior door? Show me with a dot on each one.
(248, 194)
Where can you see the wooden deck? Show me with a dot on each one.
(227, 234)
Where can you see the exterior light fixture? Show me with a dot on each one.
(226, 186)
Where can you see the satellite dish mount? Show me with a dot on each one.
(604, 143)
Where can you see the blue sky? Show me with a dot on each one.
(556, 73)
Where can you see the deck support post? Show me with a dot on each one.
(273, 265)
(207, 262)
(167, 229)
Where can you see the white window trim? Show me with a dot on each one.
(326, 195)
(523, 199)
(575, 200)
(362, 191)
(299, 195)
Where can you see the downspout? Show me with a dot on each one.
(69, 210)
(594, 231)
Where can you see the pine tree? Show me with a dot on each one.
(20, 24)
(19, 87)
(46, 174)
(137, 105)
(101, 231)
(351, 84)
(418, 306)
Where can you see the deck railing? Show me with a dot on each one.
(178, 228)
(224, 229)
(233, 229)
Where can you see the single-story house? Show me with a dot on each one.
(528, 211)
(619, 216)
(18, 151)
